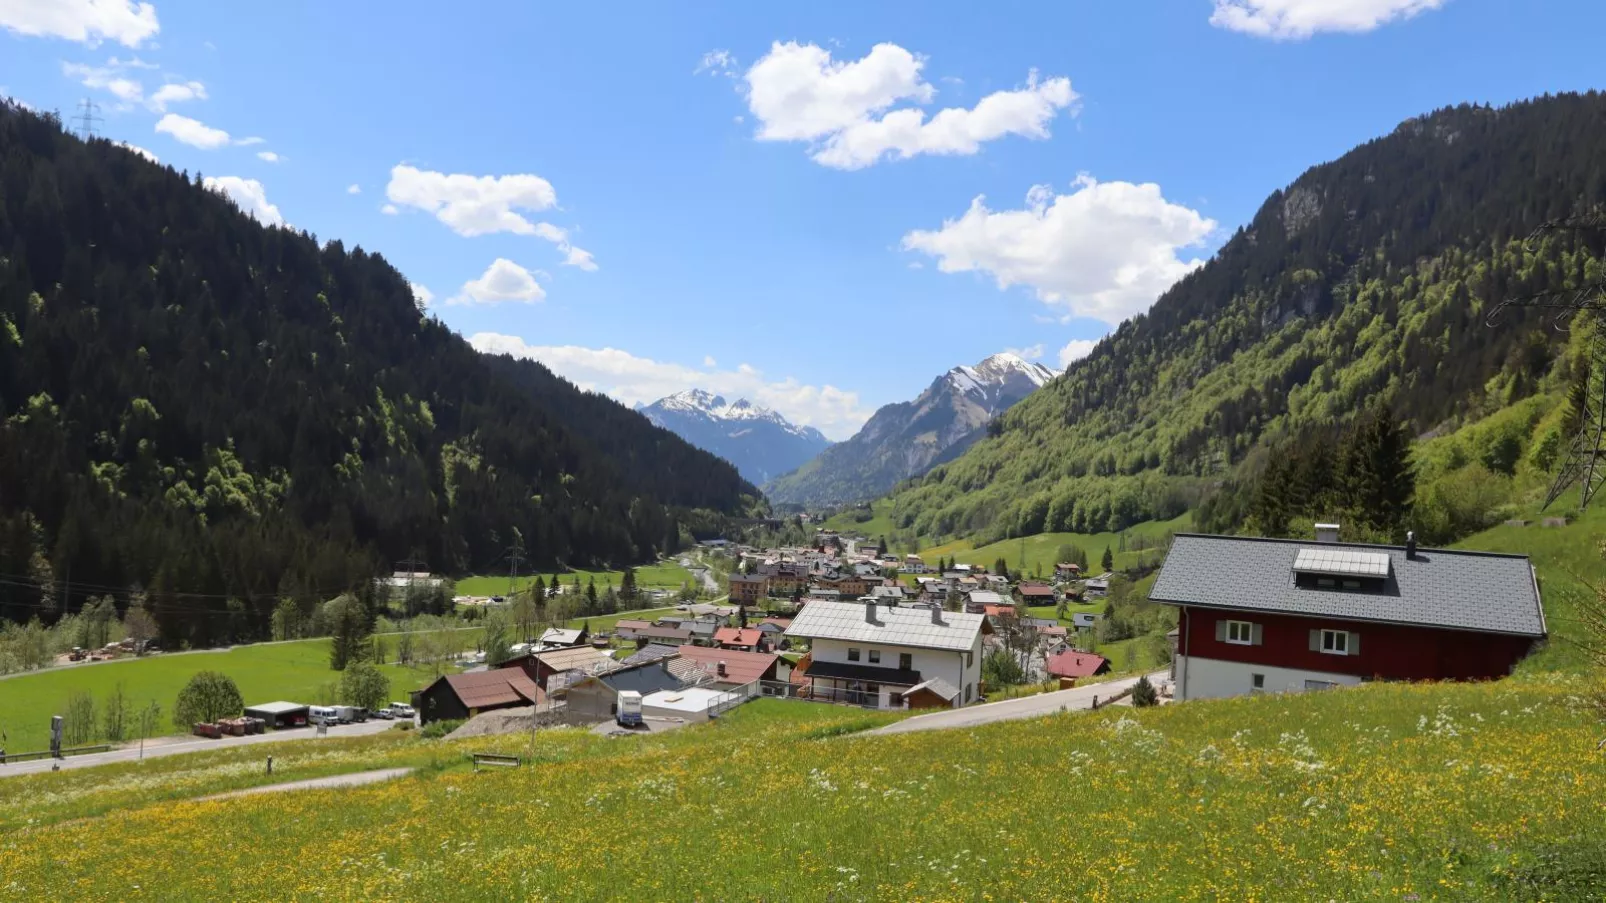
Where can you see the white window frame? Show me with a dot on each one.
(1335, 642)
(1245, 628)
(875, 656)
(853, 653)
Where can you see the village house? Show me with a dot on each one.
(597, 696)
(726, 669)
(872, 655)
(1273, 615)
(1067, 570)
(748, 589)
(630, 629)
(745, 639)
(559, 637)
(542, 665)
(1035, 594)
(663, 633)
(914, 564)
(1070, 664)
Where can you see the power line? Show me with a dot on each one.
(86, 120)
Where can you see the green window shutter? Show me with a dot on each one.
(1258, 635)
(1354, 643)
(1221, 631)
(1315, 640)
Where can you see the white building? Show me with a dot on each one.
(872, 655)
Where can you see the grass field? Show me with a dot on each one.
(879, 524)
(1388, 792)
(1042, 549)
(264, 673)
(663, 575)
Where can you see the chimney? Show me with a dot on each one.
(1327, 532)
(869, 612)
(721, 669)
(936, 614)
(1410, 545)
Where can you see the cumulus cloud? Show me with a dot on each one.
(112, 78)
(1075, 350)
(249, 196)
(192, 132)
(1296, 20)
(138, 150)
(638, 380)
(85, 21)
(502, 281)
(708, 361)
(482, 205)
(354, 188)
(421, 295)
(176, 92)
(1105, 250)
(390, 210)
(268, 157)
(1030, 352)
(844, 109)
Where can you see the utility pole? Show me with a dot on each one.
(87, 119)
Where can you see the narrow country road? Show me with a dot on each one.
(1011, 709)
(165, 747)
(355, 779)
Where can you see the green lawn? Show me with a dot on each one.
(879, 523)
(1042, 550)
(663, 575)
(606, 622)
(265, 673)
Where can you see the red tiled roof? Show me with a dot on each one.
(736, 636)
(1056, 630)
(631, 624)
(497, 687)
(997, 610)
(1036, 589)
(740, 667)
(1070, 663)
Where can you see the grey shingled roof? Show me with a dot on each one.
(892, 626)
(1481, 591)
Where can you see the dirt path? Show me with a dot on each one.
(355, 779)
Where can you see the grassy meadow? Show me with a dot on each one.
(877, 525)
(1042, 549)
(266, 672)
(1388, 792)
(663, 575)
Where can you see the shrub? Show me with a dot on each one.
(208, 696)
(1143, 694)
(438, 729)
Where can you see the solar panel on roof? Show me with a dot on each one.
(1342, 562)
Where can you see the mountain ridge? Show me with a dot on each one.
(760, 442)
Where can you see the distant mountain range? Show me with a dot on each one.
(761, 443)
(904, 439)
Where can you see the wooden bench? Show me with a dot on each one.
(496, 760)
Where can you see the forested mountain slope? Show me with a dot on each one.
(1365, 282)
(225, 414)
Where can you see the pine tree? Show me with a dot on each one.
(1108, 560)
(1379, 482)
(538, 590)
(591, 592)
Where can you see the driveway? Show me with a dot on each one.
(1011, 709)
(179, 746)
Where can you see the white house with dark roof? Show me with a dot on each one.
(872, 655)
(1277, 615)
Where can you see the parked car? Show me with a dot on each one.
(402, 710)
(384, 714)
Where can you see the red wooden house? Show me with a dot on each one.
(1273, 615)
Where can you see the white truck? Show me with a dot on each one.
(346, 714)
(629, 708)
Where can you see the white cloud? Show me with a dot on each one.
(389, 210)
(254, 139)
(84, 21)
(717, 62)
(353, 188)
(138, 150)
(1030, 352)
(1106, 250)
(708, 361)
(482, 205)
(110, 77)
(502, 281)
(422, 295)
(176, 92)
(637, 380)
(192, 132)
(1295, 20)
(1075, 350)
(249, 195)
(268, 157)
(844, 109)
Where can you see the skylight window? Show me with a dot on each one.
(1341, 563)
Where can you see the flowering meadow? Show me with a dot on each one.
(1387, 792)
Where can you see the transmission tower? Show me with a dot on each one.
(87, 119)
(515, 557)
(1585, 462)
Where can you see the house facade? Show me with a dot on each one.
(1270, 615)
(748, 589)
(872, 655)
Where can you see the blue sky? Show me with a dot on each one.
(778, 202)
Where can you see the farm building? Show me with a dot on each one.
(597, 696)
(279, 715)
(540, 667)
(1301, 615)
(466, 695)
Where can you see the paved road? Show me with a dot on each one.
(1011, 709)
(165, 747)
(356, 779)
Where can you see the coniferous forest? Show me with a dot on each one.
(222, 415)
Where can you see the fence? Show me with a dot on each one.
(733, 698)
(805, 693)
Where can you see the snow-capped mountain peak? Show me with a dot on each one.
(762, 443)
(996, 371)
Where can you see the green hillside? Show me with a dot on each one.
(1365, 282)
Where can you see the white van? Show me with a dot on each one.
(322, 714)
(402, 710)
